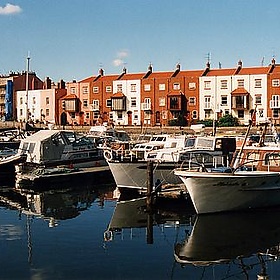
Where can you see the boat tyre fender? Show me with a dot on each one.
(108, 155)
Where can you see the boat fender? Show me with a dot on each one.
(108, 235)
(108, 155)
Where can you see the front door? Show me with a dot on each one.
(129, 118)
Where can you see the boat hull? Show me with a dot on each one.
(222, 192)
(135, 174)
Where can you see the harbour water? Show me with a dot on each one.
(82, 232)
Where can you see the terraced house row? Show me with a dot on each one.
(157, 98)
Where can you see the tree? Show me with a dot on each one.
(228, 120)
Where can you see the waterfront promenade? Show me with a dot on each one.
(137, 130)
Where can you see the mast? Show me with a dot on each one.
(27, 85)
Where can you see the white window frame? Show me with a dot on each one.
(109, 103)
(240, 83)
(207, 102)
(119, 87)
(147, 87)
(224, 100)
(162, 101)
(108, 89)
(224, 84)
(85, 89)
(133, 87)
(192, 101)
(161, 87)
(275, 83)
(258, 83)
(85, 103)
(95, 89)
(194, 114)
(207, 85)
(133, 102)
(192, 85)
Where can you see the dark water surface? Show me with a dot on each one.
(83, 233)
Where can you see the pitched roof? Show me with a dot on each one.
(118, 94)
(221, 72)
(240, 91)
(254, 70)
(71, 96)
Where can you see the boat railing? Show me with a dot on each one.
(120, 154)
(204, 165)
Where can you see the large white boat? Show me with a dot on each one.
(252, 181)
(129, 167)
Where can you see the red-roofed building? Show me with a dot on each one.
(175, 97)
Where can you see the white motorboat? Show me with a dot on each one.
(253, 181)
(54, 149)
(129, 167)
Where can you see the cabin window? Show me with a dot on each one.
(272, 159)
(252, 159)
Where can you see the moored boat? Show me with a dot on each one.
(56, 150)
(129, 167)
(252, 181)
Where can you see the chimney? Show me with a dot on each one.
(149, 72)
(207, 69)
(272, 65)
(48, 83)
(177, 70)
(101, 72)
(239, 67)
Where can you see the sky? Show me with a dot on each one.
(72, 39)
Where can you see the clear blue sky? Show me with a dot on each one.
(70, 39)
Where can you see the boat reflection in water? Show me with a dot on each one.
(247, 240)
(54, 204)
(134, 213)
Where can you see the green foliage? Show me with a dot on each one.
(228, 120)
(180, 121)
(207, 123)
